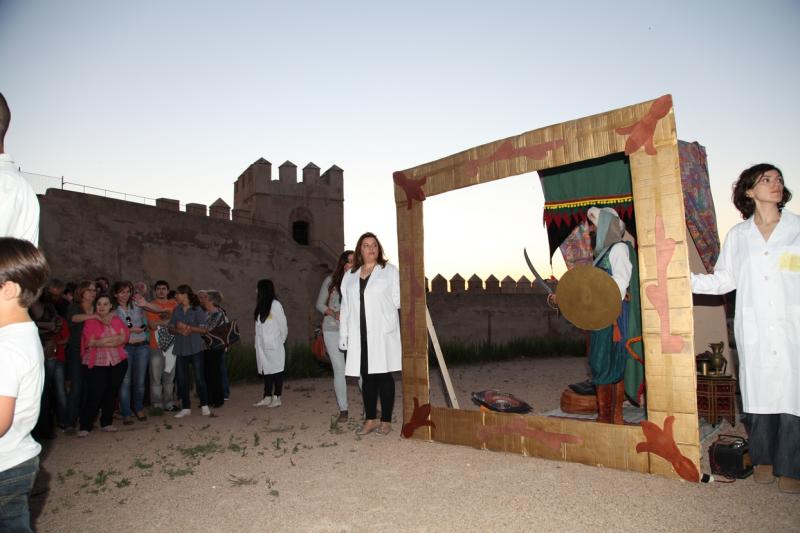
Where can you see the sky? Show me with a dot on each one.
(176, 99)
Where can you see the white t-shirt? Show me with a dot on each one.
(21, 377)
(19, 206)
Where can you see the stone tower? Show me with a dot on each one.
(311, 211)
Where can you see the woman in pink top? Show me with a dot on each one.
(104, 362)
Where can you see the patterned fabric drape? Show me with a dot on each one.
(701, 219)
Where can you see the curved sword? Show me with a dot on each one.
(539, 279)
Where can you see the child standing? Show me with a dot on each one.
(23, 272)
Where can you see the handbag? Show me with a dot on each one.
(225, 335)
(729, 456)
(164, 338)
(318, 346)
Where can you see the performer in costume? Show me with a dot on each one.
(615, 356)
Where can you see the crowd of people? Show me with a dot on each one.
(101, 341)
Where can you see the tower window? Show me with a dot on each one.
(300, 232)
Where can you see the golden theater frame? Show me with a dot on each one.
(668, 444)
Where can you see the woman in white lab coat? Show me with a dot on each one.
(369, 330)
(761, 261)
(271, 332)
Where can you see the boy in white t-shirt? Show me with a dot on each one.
(23, 272)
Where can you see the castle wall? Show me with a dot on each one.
(84, 236)
(497, 315)
(317, 200)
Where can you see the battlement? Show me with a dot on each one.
(257, 180)
(474, 285)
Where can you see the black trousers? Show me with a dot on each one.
(212, 364)
(102, 386)
(273, 380)
(374, 386)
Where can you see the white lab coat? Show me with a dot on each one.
(381, 302)
(270, 336)
(766, 276)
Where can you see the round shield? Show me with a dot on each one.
(588, 297)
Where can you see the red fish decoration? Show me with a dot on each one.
(412, 188)
(419, 418)
(657, 293)
(661, 443)
(507, 151)
(641, 133)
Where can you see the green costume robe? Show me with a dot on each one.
(611, 361)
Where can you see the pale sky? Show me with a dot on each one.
(175, 99)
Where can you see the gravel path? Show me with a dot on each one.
(291, 469)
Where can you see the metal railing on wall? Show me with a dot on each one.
(41, 182)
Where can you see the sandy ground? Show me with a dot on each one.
(292, 469)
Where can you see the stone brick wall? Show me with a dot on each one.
(497, 311)
(85, 236)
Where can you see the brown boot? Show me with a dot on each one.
(789, 484)
(616, 406)
(604, 403)
(763, 474)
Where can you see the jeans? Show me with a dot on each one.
(223, 373)
(102, 385)
(54, 388)
(213, 379)
(138, 357)
(775, 440)
(337, 361)
(162, 384)
(182, 370)
(75, 392)
(15, 486)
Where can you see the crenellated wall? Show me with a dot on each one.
(85, 236)
(315, 204)
(475, 310)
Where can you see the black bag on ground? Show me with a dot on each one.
(729, 457)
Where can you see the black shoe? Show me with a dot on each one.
(584, 388)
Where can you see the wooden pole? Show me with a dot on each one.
(440, 358)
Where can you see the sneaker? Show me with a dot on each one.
(276, 402)
(83, 434)
(343, 416)
(110, 429)
(763, 474)
(205, 410)
(183, 412)
(264, 402)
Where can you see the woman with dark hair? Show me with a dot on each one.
(188, 324)
(138, 353)
(369, 329)
(761, 261)
(104, 364)
(79, 311)
(271, 332)
(329, 303)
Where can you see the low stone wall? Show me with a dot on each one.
(477, 316)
